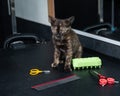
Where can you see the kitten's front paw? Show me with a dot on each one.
(67, 68)
(54, 65)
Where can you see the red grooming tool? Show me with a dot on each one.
(103, 80)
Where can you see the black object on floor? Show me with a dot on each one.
(17, 40)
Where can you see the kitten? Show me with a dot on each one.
(66, 42)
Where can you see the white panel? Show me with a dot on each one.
(101, 38)
(33, 10)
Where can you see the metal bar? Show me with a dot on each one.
(112, 16)
(13, 18)
(100, 10)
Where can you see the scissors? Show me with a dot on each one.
(37, 71)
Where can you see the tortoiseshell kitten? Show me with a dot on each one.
(66, 42)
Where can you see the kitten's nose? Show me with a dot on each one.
(58, 35)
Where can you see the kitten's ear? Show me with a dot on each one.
(71, 19)
(51, 19)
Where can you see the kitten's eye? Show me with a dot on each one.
(67, 25)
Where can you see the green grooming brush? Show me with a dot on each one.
(89, 62)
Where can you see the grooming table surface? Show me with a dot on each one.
(16, 81)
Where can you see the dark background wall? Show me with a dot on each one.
(86, 11)
(23, 26)
(107, 11)
(5, 21)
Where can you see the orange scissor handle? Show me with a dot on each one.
(35, 71)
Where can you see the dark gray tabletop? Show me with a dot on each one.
(16, 81)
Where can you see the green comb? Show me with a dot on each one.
(89, 62)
